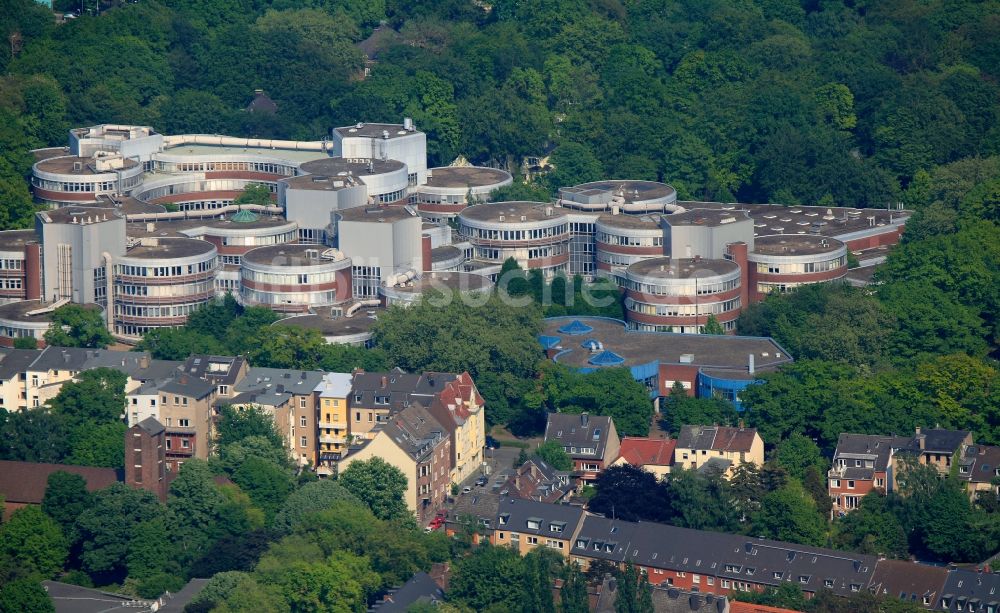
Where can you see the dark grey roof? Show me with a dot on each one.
(416, 431)
(273, 386)
(479, 504)
(13, 362)
(187, 386)
(151, 426)
(718, 438)
(909, 581)
(854, 448)
(553, 520)
(75, 599)
(939, 441)
(175, 603)
(731, 556)
(420, 588)
(579, 432)
(395, 389)
(61, 358)
(979, 463)
(673, 600)
(220, 369)
(715, 466)
(604, 538)
(965, 587)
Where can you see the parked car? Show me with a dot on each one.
(482, 481)
(466, 489)
(492, 443)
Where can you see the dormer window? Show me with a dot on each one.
(778, 576)
(581, 543)
(556, 526)
(357, 397)
(534, 523)
(803, 578)
(381, 400)
(502, 520)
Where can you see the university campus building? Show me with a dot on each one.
(357, 221)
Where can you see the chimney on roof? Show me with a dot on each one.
(584, 418)
(750, 364)
(184, 379)
(922, 441)
(385, 381)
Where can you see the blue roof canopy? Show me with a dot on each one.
(576, 327)
(607, 358)
(548, 342)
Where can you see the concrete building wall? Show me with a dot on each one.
(381, 446)
(73, 251)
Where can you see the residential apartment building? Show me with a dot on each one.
(537, 480)
(460, 408)
(527, 524)
(979, 467)
(415, 443)
(862, 463)
(939, 448)
(724, 447)
(590, 441)
(289, 396)
(333, 421)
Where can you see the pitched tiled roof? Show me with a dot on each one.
(716, 438)
(909, 581)
(580, 432)
(25, 482)
(639, 451)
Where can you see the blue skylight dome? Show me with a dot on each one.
(607, 358)
(576, 327)
(548, 342)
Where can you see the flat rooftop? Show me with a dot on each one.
(129, 205)
(682, 268)
(80, 166)
(332, 167)
(292, 155)
(374, 130)
(328, 325)
(724, 353)
(49, 152)
(795, 244)
(79, 214)
(511, 212)
(445, 281)
(14, 240)
(18, 311)
(825, 221)
(645, 221)
(170, 248)
(445, 253)
(177, 227)
(323, 183)
(288, 255)
(632, 191)
(706, 217)
(375, 214)
(466, 176)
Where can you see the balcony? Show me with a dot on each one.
(333, 439)
(332, 425)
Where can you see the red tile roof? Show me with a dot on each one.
(746, 607)
(639, 451)
(25, 482)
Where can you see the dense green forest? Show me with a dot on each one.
(793, 101)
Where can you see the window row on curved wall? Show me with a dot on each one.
(690, 288)
(390, 197)
(683, 310)
(125, 291)
(279, 300)
(617, 259)
(287, 278)
(801, 267)
(513, 235)
(728, 326)
(258, 241)
(88, 187)
(166, 271)
(624, 240)
(249, 166)
(159, 311)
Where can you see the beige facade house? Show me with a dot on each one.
(698, 445)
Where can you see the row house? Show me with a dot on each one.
(289, 396)
(220, 370)
(590, 441)
(537, 480)
(979, 467)
(652, 455)
(32, 377)
(459, 407)
(723, 446)
(413, 441)
(863, 463)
